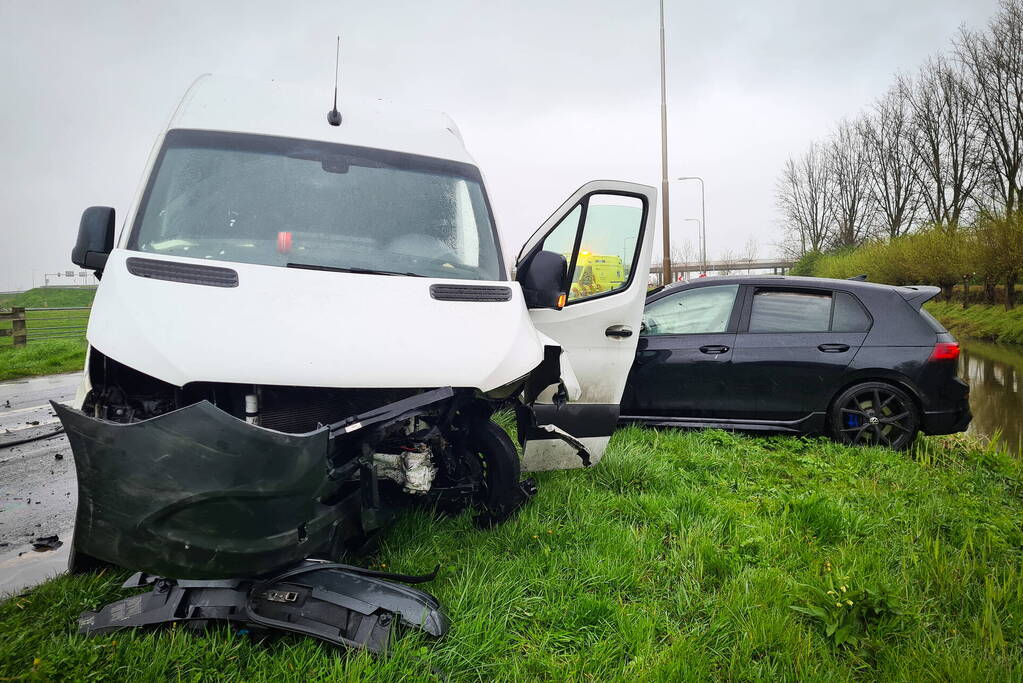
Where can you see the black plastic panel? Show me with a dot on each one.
(189, 273)
(470, 293)
(581, 420)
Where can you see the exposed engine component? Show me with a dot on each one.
(413, 469)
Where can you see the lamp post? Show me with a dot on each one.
(699, 226)
(703, 224)
(666, 246)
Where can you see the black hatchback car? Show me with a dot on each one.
(859, 361)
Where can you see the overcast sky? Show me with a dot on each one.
(547, 95)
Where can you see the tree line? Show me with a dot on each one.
(931, 173)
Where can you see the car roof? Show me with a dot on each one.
(909, 292)
(231, 104)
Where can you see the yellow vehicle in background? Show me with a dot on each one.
(595, 273)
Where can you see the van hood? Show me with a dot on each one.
(283, 326)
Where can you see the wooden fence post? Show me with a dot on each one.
(20, 336)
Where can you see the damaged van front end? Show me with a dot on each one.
(172, 483)
(196, 493)
(304, 328)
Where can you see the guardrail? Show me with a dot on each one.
(39, 324)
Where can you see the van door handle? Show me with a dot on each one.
(834, 348)
(714, 348)
(618, 331)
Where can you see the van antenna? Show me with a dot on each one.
(334, 116)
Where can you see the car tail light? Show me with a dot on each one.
(945, 351)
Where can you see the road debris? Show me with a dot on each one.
(46, 543)
(337, 603)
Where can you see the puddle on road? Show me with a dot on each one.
(22, 567)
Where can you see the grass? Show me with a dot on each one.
(44, 356)
(681, 556)
(980, 321)
(50, 297)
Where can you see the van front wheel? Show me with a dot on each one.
(495, 464)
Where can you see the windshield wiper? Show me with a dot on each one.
(341, 269)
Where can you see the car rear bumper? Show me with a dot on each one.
(948, 421)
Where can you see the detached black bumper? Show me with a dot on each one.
(199, 494)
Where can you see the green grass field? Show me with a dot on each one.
(980, 321)
(45, 356)
(682, 556)
(50, 297)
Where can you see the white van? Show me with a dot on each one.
(300, 324)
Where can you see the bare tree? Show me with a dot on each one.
(848, 168)
(683, 253)
(750, 252)
(729, 262)
(893, 167)
(946, 140)
(994, 62)
(803, 196)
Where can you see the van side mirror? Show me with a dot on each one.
(543, 279)
(95, 238)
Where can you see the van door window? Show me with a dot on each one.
(599, 239)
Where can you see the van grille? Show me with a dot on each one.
(470, 293)
(174, 271)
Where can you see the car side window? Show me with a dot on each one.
(781, 311)
(807, 311)
(693, 311)
(849, 315)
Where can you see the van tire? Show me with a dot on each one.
(501, 494)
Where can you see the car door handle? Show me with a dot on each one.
(619, 331)
(714, 348)
(834, 348)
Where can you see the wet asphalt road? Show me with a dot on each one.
(37, 480)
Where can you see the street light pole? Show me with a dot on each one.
(666, 246)
(699, 227)
(703, 224)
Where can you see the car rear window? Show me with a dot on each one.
(849, 315)
(775, 311)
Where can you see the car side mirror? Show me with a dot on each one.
(95, 238)
(543, 277)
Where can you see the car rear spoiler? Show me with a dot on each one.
(918, 295)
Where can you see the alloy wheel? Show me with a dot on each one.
(876, 415)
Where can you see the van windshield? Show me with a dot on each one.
(281, 201)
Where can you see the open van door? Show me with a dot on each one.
(605, 233)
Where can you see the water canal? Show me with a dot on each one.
(995, 374)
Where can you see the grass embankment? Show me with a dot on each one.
(680, 557)
(45, 356)
(980, 321)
